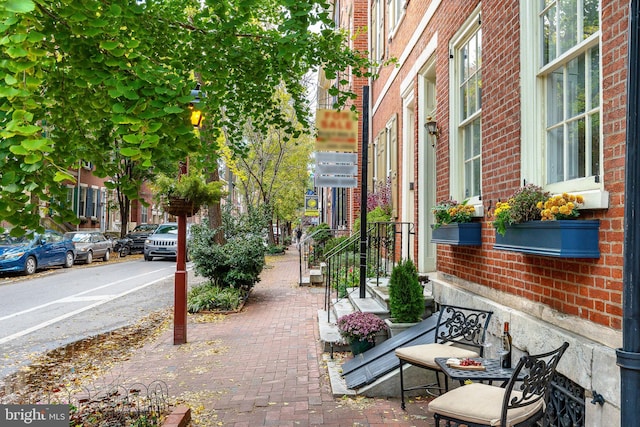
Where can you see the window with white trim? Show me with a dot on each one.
(570, 69)
(395, 10)
(467, 86)
(378, 30)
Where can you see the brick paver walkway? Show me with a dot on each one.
(262, 366)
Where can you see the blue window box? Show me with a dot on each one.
(458, 234)
(562, 238)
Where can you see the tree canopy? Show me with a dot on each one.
(275, 170)
(110, 82)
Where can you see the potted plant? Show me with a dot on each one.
(534, 222)
(406, 298)
(359, 329)
(186, 194)
(453, 224)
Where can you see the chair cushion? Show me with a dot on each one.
(481, 404)
(425, 354)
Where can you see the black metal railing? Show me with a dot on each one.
(311, 249)
(387, 243)
(566, 406)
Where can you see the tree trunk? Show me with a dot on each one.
(215, 214)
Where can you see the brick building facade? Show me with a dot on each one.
(522, 92)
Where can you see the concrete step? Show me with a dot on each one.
(379, 290)
(368, 304)
(316, 277)
(330, 337)
(305, 281)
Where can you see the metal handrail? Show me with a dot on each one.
(387, 242)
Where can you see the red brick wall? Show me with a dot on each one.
(590, 289)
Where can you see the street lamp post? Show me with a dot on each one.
(180, 281)
(180, 285)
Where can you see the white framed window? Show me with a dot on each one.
(82, 201)
(570, 68)
(395, 13)
(377, 30)
(561, 91)
(466, 87)
(144, 213)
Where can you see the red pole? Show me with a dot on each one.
(180, 298)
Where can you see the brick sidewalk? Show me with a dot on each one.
(262, 366)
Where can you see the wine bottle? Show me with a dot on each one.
(506, 346)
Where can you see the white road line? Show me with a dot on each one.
(19, 313)
(73, 313)
(85, 299)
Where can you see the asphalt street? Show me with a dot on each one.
(52, 309)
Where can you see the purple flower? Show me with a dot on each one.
(359, 326)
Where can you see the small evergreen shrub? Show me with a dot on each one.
(406, 297)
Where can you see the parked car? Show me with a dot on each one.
(138, 236)
(29, 253)
(163, 242)
(90, 245)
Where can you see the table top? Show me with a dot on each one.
(493, 371)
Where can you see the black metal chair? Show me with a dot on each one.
(477, 404)
(459, 333)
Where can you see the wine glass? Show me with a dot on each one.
(483, 339)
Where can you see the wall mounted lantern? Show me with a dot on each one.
(431, 126)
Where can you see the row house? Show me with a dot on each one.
(484, 98)
(97, 208)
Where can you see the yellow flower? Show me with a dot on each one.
(562, 206)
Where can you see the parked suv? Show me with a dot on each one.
(164, 241)
(138, 236)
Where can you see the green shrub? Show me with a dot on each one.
(406, 297)
(321, 233)
(275, 249)
(378, 214)
(339, 241)
(236, 264)
(209, 297)
(347, 278)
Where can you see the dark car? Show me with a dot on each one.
(31, 252)
(90, 245)
(164, 241)
(139, 234)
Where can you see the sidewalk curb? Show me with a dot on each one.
(179, 417)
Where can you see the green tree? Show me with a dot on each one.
(274, 171)
(86, 80)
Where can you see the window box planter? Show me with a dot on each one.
(562, 238)
(458, 234)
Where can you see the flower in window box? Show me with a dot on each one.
(451, 211)
(562, 206)
(521, 207)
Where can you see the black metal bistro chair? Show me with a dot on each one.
(459, 333)
(521, 403)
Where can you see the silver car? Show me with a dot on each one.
(90, 245)
(163, 242)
